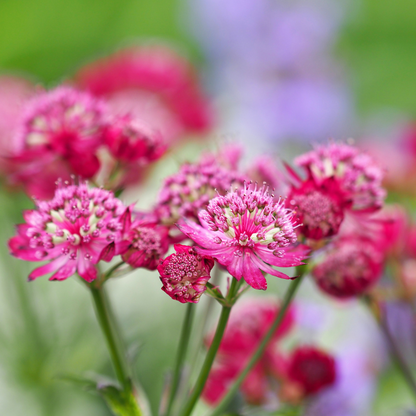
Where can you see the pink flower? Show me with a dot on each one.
(248, 323)
(357, 173)
(152, 82)
(146, 242)
(349, 267)
(132, 141)
(70, 232)
(59, 133)
(185, 273)
(247, 232)
(320, 207)
(185, 193)
(311, 369)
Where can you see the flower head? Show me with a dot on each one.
(147, 243)
(70, 232)
(356, 171)
(311, 369)
(184, 274)
(349, 267)
(131, 140)
(60, 129)
(185, 193)
(152, 81)
(319, 207)
(247, 231)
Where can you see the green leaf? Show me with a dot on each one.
(121, 403)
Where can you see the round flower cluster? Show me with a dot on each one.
(71, 231)
(247, 231)
(184, 274)
(185, 193)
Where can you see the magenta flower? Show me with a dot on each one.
(147, 244)
(349, 267)
(59, 134)
(70, 232)
(132, 141)
(247, 232)
(357, 173)
(185, 273)
(320, 206)
(185, 193)
(153, 82)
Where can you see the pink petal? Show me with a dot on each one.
(108, 252)
(195, 232)
(268, 269)
(252, 274)
(292, 257)
(65, 271)
(224, 255)
(236, 265)
(85, 268)
(49, 267)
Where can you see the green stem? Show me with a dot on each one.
(180, 358)
(212, 352)
(103, 315)
(291, 291)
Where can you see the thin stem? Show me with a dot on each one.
(104, 319)
(212, 352)
(290, 293)
(183, 347)
(394, 349)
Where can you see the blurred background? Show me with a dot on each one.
(281, 75)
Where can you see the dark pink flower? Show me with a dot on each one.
(60, 132)
(70, 232)
(152, 82)
(248, 323)
(247, 232)
(131, 140)
(357, 173)
(185, 193)
(146, 243)
(311, 369)
(320, 207)
(185, 273)
(349, 267)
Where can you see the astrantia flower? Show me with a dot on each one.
(248, 323)
(131, 140)
(147, 244)
(70, 232)
(349, 266)
(319, 208)
(185, 193)
(247, 232)
(152, 82)
(59, 134)
(356, 172)
(185, 273)
(311, 369)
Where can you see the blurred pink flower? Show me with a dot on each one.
(154, 83)
(70, 232)
(59, 132)
(358, 174)
(185, 273)
(249, 322)
(247, 232)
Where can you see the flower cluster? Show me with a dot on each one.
(188, 191)
(247, 232)
(184, 274)
(70, 232)
(299, 373)
(340, 179)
